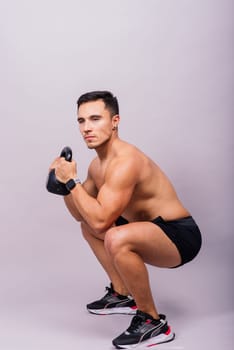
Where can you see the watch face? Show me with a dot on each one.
(70, 184)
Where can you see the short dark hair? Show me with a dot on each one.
(111, 102)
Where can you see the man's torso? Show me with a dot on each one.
(153, 193)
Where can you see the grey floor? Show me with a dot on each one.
(66, 327)
(43, 306)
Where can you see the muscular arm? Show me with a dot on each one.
(113, 196)
(90, 188)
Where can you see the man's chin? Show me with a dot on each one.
(91, 145)
(96, 145)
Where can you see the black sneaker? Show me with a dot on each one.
(144, 330)
(113, 303)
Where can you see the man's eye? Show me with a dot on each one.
(80, 121)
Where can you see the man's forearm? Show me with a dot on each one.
(90, 209)
(72, 208)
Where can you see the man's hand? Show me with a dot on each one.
(64, 170)
(60, 171)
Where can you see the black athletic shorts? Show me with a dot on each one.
(184, 233)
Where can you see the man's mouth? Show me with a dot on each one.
(89, 137)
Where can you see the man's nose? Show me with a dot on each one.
(87, 126)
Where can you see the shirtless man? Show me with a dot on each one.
(130, 216)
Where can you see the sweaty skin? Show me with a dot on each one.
(123, 181)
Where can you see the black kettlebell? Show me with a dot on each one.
(53, 185)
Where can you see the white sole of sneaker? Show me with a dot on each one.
(114, 310)
(147, 344)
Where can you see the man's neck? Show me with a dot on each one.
(105, 151)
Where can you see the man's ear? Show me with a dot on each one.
(115, 121)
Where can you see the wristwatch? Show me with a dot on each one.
(70, 184)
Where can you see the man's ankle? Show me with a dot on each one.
(120, 289)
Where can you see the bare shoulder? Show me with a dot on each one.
(126, 151)
(93, 166)
(128, 160)
(133, 155)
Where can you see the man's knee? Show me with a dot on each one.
(115, 240)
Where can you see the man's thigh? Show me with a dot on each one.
(150, 242)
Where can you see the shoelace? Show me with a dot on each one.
(110, 292)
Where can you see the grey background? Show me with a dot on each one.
(170, 63)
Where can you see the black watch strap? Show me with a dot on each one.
(70, 184)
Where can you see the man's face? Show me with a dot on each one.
(95, 123)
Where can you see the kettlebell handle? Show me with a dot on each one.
(66, 153)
